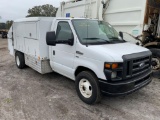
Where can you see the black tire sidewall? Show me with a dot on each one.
(95, 87)
(21, 59)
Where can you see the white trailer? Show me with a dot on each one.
(125, 15)
(29, 38)
(89, 51)
(139, 20)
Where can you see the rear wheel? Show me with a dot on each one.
(19, 59)
(87, 87)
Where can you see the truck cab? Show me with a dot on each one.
(89, 51)
(92, 52)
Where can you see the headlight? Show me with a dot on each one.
(113, 71)
(114, 75)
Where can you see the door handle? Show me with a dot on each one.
(54, 52)
(78, 52)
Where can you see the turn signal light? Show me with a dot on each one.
(111, 66)
(114, 66)
(108, 66)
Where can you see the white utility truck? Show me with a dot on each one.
(137, 18)
(88, 51)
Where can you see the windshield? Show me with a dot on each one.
(96, 32)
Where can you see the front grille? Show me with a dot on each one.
(137, 66)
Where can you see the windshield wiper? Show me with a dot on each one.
(114, 38)
(117, 39)
(97, 38)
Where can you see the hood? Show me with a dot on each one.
(116, 51)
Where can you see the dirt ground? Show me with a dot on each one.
(28, 95)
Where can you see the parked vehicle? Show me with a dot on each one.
(137, 18)
(88, 51)
(4, 34)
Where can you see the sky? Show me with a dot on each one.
(16, 9)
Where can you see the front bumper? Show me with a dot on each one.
(125, 87)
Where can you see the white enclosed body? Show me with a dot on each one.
(29, 37)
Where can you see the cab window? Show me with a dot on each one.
(64, 31)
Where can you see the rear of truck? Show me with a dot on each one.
(26, 41)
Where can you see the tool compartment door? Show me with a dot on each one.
(31, 30)
(31, 39)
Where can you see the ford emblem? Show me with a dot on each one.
(141, 65)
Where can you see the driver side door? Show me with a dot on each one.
(62, 56)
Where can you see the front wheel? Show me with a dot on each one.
(87, 87)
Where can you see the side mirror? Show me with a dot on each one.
(51, 38)
(121, 34)
(71, 41)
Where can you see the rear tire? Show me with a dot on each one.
(155, 59)
(20, 61)
(87, 87)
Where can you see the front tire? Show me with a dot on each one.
(87, 87)
(20, 61)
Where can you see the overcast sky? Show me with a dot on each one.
(15, 9)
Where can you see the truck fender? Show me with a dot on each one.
(92, 65)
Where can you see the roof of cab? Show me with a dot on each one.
(35, 19)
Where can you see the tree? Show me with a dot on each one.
(9, 24)
(2, 26)
(44, 10)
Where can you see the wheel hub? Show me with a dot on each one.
(154, 63)
(85, 88)
(17, 60)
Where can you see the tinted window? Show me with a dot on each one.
(64, 31)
